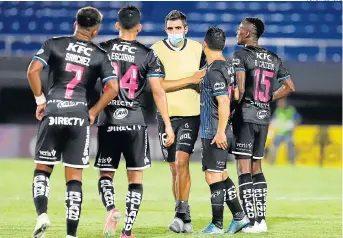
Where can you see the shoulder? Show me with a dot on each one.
(194, 44)
(157, 45)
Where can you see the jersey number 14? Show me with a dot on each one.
(129, 79)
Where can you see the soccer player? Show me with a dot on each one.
(75, 63)
(257, 70)
(122, 128)
(182, 59)
(214, 130)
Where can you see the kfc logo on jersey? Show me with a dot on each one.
(262, 114)
(264, 56)
(219, 86)
(121, 48)
(67, 121)
(120, 113)
(80, 49)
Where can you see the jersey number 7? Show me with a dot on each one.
(75, 81)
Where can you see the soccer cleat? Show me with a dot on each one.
(43, 223)
(262, 226)
(236, 226)
(111, 223)
(68, 236)
(251, 229)
(187, 228)
(211, 229)
(177, 225)
(123, 235)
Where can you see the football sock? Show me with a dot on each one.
(73, 205)
(232, 200)
(260, 195)
(217, 203)
(133, 202)
(107, 192)
(41, 190)
(181, 209)
(247, 196)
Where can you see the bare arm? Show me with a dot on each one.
(223, 112)
(33, 75)
(236, 94)
(172, 85)
(110, 93)
(286, 88)
(160, 99)
(241, 84)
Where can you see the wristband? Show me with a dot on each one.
(40, 99)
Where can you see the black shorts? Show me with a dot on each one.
(131, 141)
(213, 158)
(186, 131)
(250, 139)
(64, 136)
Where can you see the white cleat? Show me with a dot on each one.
(252, 229)
(68, 236)
(43, 223)
(262, 226)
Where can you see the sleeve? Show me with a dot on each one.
(203, 61)
(282, 73)
(218, 83)
(155, 68)
(109, 70)
(238, 61)
(43, 55)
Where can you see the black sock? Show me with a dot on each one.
(73, 205)
(260, 195)
(247, 196)
(217, 202)
(232, 200)
(181, 209)
(133, 201)
(107, 192)
(41, 190)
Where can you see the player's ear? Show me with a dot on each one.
(75, 25)
(117, 26)
(186, 30)
(139, 28)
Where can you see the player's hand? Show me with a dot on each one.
(40, 111)
(198, 76)
(220, 141)
(91, 116)
(170, 136)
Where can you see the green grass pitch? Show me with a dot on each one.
(302, 202)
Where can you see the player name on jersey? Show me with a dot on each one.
(79, 48)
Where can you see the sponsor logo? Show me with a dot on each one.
(219, 86)
(65, 104)
(121, 103)
(146, 160)
(264, 56)
(244, 145)
(158, 70)
(124, 128)
(47, 154)
(106, 187)
(120, 113)
(67, 121)
(85, 159)
(230, 71)
(134, 199)
(74, 205)
(262, 114)
(215, 194)
(80, 49)
(185, 136)
(261, 105)
(129, 49)
(41, 51)
(187, 125)
(236, 61)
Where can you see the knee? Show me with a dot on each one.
(256, 168)
(181, 164)
(243, 165)
(106, 174)
(172, 169)
(135, 177)
(213, 177)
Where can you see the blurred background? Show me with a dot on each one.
(306, 129)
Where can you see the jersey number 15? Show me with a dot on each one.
(267, 76)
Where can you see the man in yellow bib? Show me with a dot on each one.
(184, 64)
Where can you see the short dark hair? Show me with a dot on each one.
(176, 15)
(215, 38)
(129, 17)
(88, 17)
(258, 25)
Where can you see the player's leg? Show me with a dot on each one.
(137, 156)
(47, 154)
(187, 134)
(290, 149)
(75, 155)
(243, 149)
(275, 146)
(213, 164)
(107, 161)
(260, 184)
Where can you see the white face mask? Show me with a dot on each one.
(176, 39)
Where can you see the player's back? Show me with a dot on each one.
(74, 67)
(132, 60)
(262, 70)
